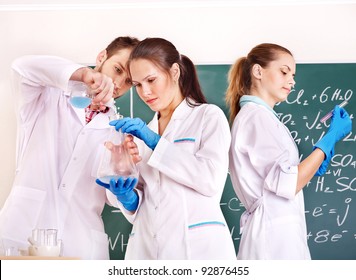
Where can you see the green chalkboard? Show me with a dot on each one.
(330, 200)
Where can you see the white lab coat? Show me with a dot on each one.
(179, 215)
(264, 168)
(57, 159)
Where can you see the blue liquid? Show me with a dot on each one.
(106, 179)
(80, 101)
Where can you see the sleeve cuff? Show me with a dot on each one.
(158, 152)
(117, 204)
(287, 182)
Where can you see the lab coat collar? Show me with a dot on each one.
(180, 113)
(101, 121)
(255, 99)
(182, 110)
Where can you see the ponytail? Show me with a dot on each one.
(239, 81)
(189, 83)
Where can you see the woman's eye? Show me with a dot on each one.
(151, 80)
(118, 70)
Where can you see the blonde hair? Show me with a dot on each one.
(239, 76)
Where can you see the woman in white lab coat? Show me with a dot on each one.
(57, 150)
(264, 161)
(176, 211)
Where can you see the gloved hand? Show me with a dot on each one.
(340, 126)
(124, 191)
(137, 128)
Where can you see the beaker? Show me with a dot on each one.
(116, 161)
(80, 95)
(51, 237)
(39, 236)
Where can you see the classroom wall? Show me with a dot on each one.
(211, 32)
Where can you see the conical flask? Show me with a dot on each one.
(116, 161)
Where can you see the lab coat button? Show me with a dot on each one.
(75, 158)
(156, 207)
(155, 235)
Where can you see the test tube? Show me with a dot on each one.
(328, 115)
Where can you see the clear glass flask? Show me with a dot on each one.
(80, 96)
(116, 161)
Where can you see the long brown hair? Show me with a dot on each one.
(239, 76)
(164, 54)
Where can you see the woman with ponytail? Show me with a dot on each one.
(184, 152)
(264, 161)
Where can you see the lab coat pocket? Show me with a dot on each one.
(287, 238)
(100, 244)
(209, 240)
(186, 143)
(21, 213)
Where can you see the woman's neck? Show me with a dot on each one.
(264, 96)
(164, 116)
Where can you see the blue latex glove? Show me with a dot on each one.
(138, 128)
(124, 191)
(340, 126)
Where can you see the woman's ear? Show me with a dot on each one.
(175, 72)
(257, 71)
(102, 56)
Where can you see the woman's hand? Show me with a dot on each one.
(138, 128)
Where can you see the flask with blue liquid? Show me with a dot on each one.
(80, 95)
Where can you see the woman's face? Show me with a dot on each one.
(115, 68)
(157, 88)
(277, 79)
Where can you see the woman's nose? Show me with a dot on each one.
(146, 90)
